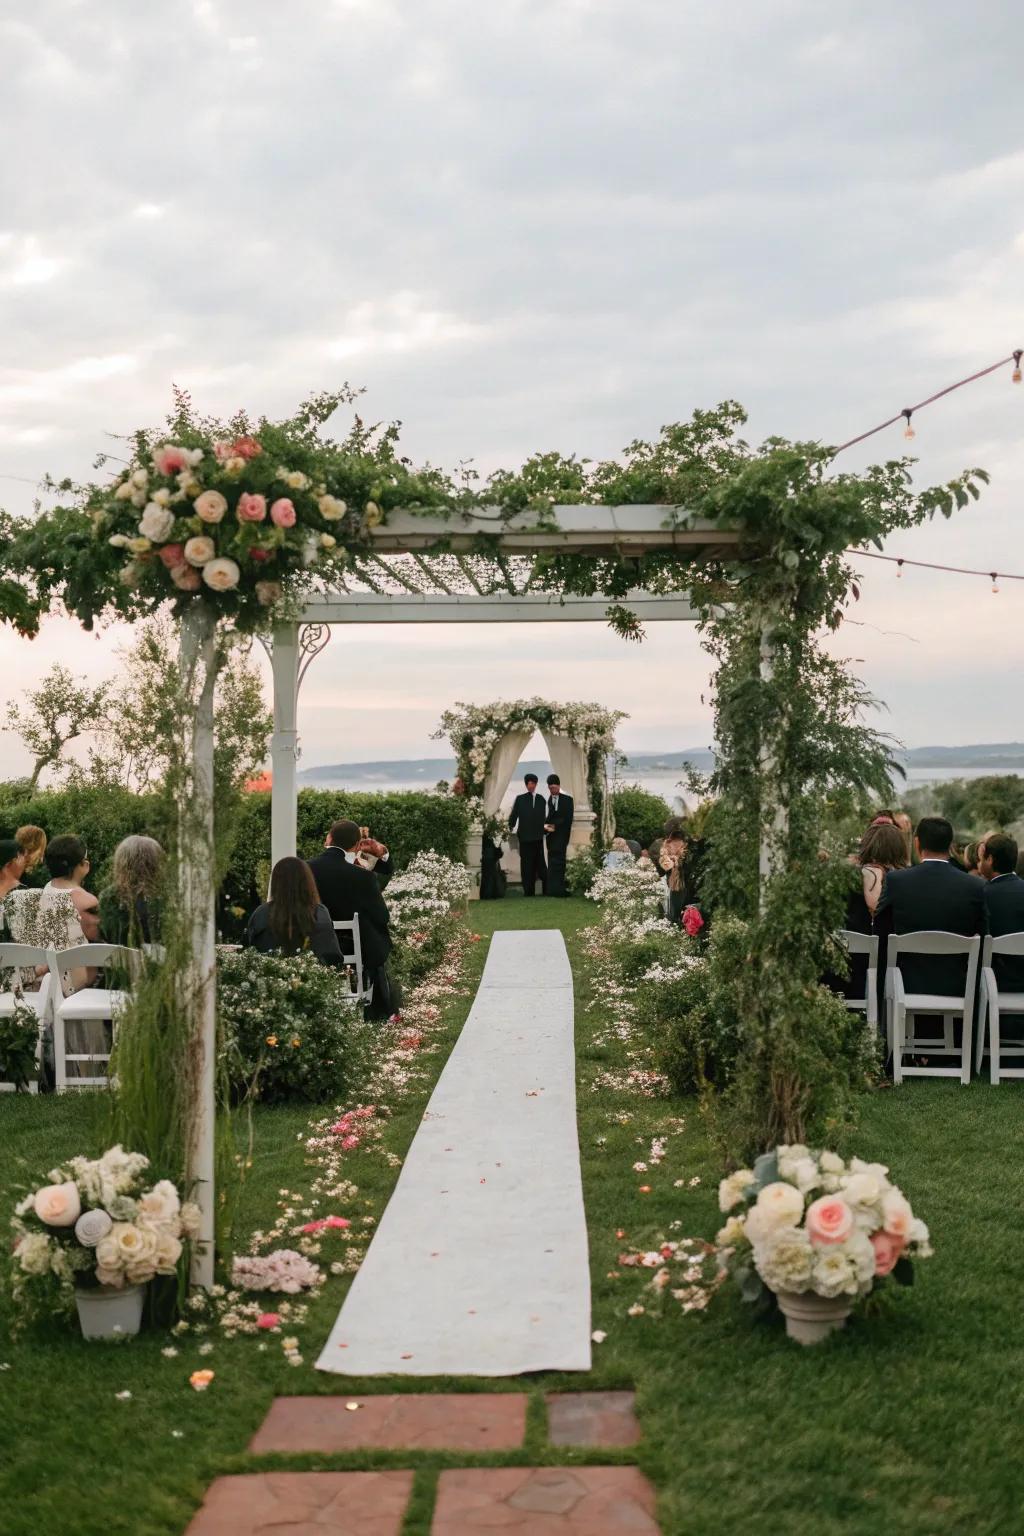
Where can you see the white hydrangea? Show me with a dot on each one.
(785, 1260)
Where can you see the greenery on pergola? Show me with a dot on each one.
(791, 741)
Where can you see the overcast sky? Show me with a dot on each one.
(540, 224)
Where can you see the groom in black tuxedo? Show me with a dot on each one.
(558, 826)
(529, 813)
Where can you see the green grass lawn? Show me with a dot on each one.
(907, 1422)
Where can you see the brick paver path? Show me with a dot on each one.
(592, 1418)
(545, 1501)
(304, 1504)
(422, 1421)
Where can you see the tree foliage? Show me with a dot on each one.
(60, 710)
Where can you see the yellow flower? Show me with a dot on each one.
(271, 1039)
(200, 1380)
(296, 1041)
(237, 911)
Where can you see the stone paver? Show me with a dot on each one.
(304, 1504)
(592, 1418)
(422, 1421)
(545, 1501)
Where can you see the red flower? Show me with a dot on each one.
(268, 1320)
(245, 448)
(693, 922)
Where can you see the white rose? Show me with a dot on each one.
(156, 523)
(332, 508)
(108, 1254)
(161, 1203)
(33, 1253)
(191, 1219)
(222, 575)
(135, 1245)
(833, 1274)
(92, 1227)
(139, 499)
(806, 1175)
(125, 491)
(118, 541)
(140, 478)
(168, 1252)
(199, 550)
(730, 1190)
(862, 1189)
(139, 1274)
(112, 1277)
(785, 1261)
(162, 497)
(778, 1204)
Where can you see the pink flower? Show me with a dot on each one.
(887, 1252)
(58, 1205)
(268, 593)
(337, 1221)
(268, 1320)
(223, 451)
(282, 513)
(169, 459)
(172, 555)
(349, 1142)
(259, 555)
(245, 448)
(693, 922)
(186, 578)
(252, 507)
(829, 1220)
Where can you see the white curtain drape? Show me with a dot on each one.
(569, 761)
(503, 762)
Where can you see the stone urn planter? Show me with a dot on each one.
(811, 1318)
(109, 1313)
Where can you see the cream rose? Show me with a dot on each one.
(156, 523)
(58, 1205)
(862, 1189)
(108, 1254)
(135, 1245)
(332, 508)
(191, 1219)
(221, 575)
(168, 1252)
(897, 1217)
(210, 506)
(199, 550)
(730, 1190)
(161, 1203)
(111, 1277)
(831, 1162)
(778, 1204)
(125, 491)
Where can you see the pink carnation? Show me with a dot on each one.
(693, 922)
(350, 1142)
(169, 459)
(282, 513)
(268, 1320)
(252, 507)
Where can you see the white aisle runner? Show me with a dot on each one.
(479, 1266)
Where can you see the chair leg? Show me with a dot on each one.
(60, 1080)
(965, 1046)
(993, 1044)
(899, 1020)
(979, 1049)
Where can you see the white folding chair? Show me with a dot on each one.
(90, 1005)
(19, 958)
(901, 1005)
(863, 944)
(362, 990)
(994, 1004)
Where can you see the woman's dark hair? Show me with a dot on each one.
(64, 854)
(884, 844)
(294, 899)
(675, 827)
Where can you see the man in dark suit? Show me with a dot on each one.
(557, 827)
(346, 888)
(932, 895)
(529, 813)
(1004, 904)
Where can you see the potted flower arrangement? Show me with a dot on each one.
(19, 1049)
(93, 1237)
(817, 1232)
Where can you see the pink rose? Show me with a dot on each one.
(693, 922)
(58, 1205)
(268, 1320)
(888, 1250)
(282, 513)
(169, 459)
(829, 1220)
(173, 555)
(252, 508)
(897, 1216)
(245, 448)
(223, 451)
(186, 578)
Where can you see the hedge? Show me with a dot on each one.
(100, 815)
(639, 815)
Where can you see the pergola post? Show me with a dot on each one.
(284, 745)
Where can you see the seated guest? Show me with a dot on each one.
(670, 854)
(348, 890)
(32, 842)
(881, 849)
(294, 919)
(618, 854)
(1004, 904)
(12, 867)
(67, 859)
(130, 905)
(932, 895)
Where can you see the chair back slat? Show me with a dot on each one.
(933, 942)
(1006, 944)
(355, 960)
(859, 944)
(17, 955)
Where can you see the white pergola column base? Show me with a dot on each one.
(284, 746)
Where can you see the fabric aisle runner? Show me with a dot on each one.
(479, 1266)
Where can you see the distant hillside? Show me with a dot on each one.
(997, 757)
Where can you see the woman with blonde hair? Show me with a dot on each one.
(32, 842)
(130, 905)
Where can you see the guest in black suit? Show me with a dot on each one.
(529, 813)
(561, 809)
(347, 889)
(294, 920)
(1004, 904)
(932, 895)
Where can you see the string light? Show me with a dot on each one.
(908, 411)
(909, 432)
(899, 570)
(995, 587)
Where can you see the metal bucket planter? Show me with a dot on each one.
(109, 1313)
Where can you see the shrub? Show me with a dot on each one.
(424, 902)
(289, 1029)
(639, 815)
(688, 1007)
(100, 814)
(581, 870)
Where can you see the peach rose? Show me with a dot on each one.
(223, 451)
(210, 506)
(897, 1217)
(186, 578)
(173, 555)
(888, 1250)
(246, 447)
(252, 507)
(221, 575)
(829, 1220)
(282, 513)
(169, 459)
(58, 1205)
(268, 593)
(199, 550)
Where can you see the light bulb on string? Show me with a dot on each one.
(909, 430)
(1016, 375)
(995, 587)
(899, 570)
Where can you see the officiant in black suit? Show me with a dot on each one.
(529, 813)
(557, 828)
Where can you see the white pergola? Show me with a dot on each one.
(479, 568)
